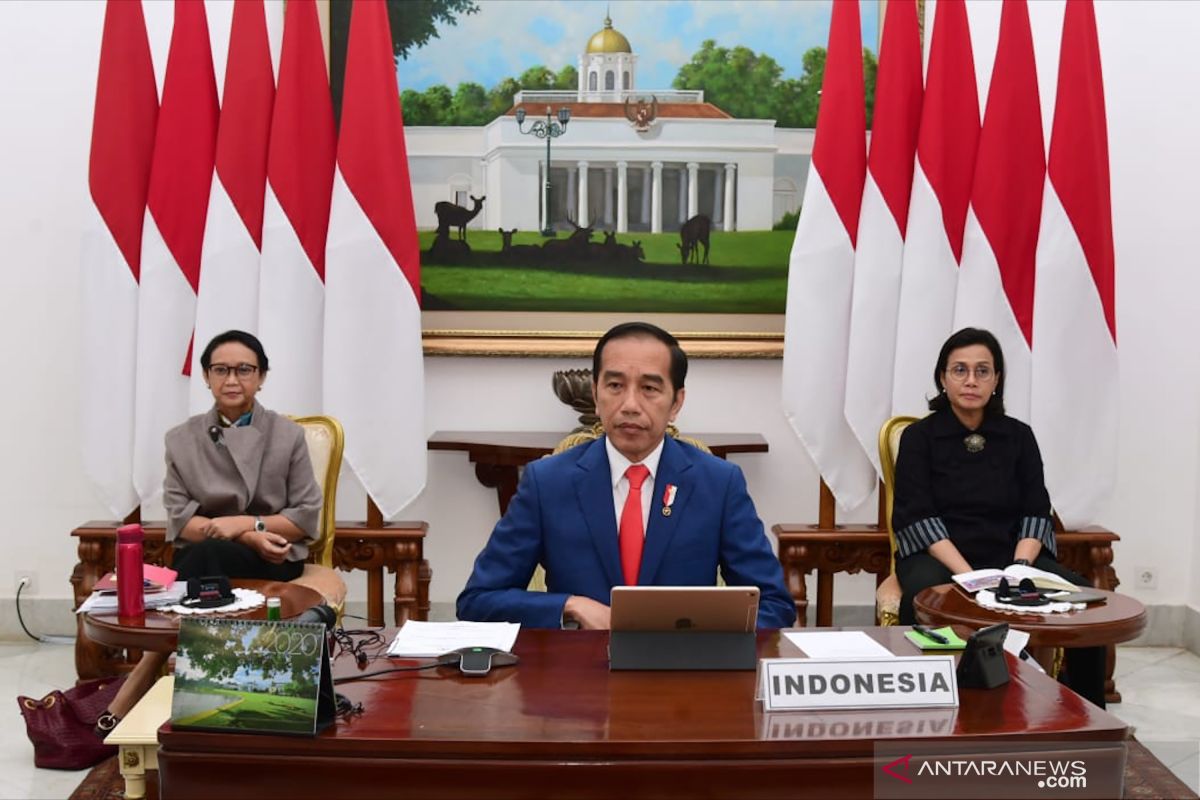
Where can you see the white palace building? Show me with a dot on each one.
(691, 158)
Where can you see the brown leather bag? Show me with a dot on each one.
(62, 724)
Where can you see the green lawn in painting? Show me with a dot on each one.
(259, 711)
(746, 274)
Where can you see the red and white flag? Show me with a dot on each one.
(180, 179)
(228, 294)
(299, 184)
(941, 191)
(118, 178)
(374, 372)
(821, 271)
(1075, 391)
(881, 227)
(995, 287)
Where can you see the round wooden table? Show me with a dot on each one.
(1118, 619)
(159, 632)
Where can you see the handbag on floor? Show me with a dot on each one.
(62, 724)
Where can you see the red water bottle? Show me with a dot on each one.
(131, 601)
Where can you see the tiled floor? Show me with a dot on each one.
(1160, 687)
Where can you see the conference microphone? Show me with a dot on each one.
(214, 433)
(321, 613)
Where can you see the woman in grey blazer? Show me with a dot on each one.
(240, 494)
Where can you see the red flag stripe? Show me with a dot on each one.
(950, 119)
(1079, 150)
(303, 143)
(897, 119)
(123, 128)
(1010, 170)
(371, 151)
(185, 145)
(840, 151)
(246, 115)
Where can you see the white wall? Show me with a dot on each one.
(48, 53)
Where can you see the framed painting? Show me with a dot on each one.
(577, 163)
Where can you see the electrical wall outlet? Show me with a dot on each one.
(25, 575)
(1147, 578)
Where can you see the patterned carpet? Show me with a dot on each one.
(1146, 778)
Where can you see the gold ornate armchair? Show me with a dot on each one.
(326, 440)
(887, 595)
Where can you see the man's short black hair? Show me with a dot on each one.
(241, 337)
(679, 362)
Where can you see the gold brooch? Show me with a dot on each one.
(974, 442)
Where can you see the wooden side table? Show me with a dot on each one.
(136, 736)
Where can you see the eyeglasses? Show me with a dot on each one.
(242, 371)
(959, 372)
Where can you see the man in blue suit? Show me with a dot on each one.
(694, 510)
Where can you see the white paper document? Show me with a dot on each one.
(838, 644)
(427, 639)
(101, 602)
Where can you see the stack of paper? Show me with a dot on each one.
(428, 639)
(107, 601)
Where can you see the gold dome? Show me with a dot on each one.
(608, 40)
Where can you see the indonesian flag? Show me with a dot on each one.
(821, 271)
(374, 375)
(941, 191)
(180, 179)
(1075, 353)
(228, 295)
(118, 178)
(300, 180)
(995, 287)
(881, 227)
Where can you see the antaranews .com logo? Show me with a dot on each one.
(1004, 770)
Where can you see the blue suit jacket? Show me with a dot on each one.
(562, 517)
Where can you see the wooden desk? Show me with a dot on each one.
(560, 724)
(499, 455)
(158, 632)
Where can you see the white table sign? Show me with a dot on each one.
(833, 683)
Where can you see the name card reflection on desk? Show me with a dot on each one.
(789, 684)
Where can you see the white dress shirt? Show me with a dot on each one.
(617, 464)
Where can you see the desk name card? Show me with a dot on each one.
(788, 684)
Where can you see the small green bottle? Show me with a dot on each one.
(273, 608)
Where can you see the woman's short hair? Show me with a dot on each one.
(965, 338)
(241, 337)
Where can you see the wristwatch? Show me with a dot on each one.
(261, 526)
(1024, 562)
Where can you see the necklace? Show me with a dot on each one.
(974, 442)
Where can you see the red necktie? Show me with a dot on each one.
(631, 535)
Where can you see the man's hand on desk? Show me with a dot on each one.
(590, 614)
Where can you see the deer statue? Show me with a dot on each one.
(451, 215)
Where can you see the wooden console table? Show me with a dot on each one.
(371, 546)
(499, 455)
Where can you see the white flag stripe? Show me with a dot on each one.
(228, 294)
(928, 284)
(873, 309)
(109, 324)
(291, 315)
(166, 312)
(982, 303)
(820, 282)
(373, 328)
(1076, 391)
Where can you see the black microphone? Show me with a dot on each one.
(214, 433)
(321, 613)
